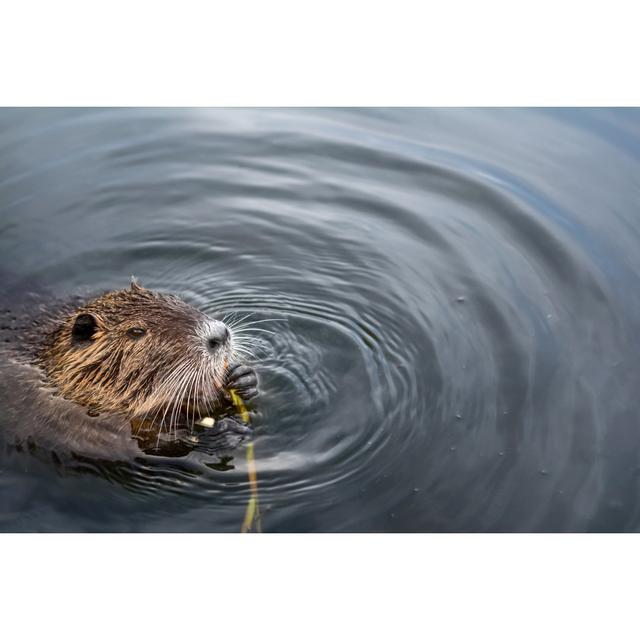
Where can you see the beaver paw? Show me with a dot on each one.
(227, 425)
(244, 380)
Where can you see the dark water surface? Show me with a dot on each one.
(456, 294)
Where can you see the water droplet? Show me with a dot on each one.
(461, 299)
(452, 448)
(544, 472)
(458, 416)
(501, 453)
(416, 490)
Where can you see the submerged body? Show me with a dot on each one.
(118, 375)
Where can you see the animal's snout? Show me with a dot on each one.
(217, 336)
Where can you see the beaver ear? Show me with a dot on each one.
(84, 327)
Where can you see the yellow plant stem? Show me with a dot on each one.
(252, 514)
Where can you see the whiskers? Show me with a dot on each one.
(248, 340)
(190, 391)
(192, 387)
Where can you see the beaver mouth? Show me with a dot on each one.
(199, 407)
(174, 415)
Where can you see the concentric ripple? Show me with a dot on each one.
(447, 327)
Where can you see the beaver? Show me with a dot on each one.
(109, 375)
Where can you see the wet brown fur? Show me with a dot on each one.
(149, 377)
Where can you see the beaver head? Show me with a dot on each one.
(139, 353)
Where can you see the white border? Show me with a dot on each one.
(346, 52)
(319, 586)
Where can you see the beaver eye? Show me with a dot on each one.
(136, 332)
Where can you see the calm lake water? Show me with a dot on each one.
(456, 296)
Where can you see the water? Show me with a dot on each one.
(456, 296)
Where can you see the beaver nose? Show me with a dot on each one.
(217, 336)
